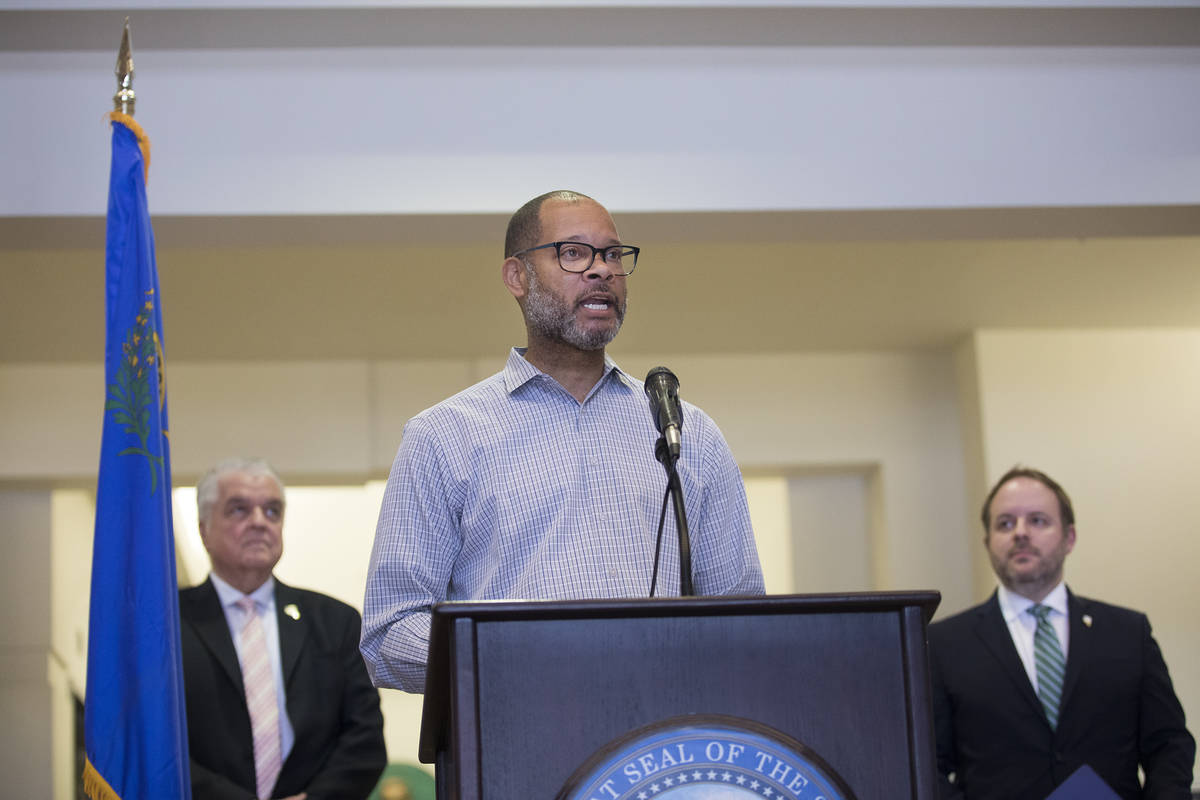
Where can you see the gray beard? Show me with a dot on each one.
(552, 318)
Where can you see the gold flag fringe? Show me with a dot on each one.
(143, 140)
(94, 786)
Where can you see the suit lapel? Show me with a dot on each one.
(293, 628)
(208, 619)
(1080, 644)
(993, 631)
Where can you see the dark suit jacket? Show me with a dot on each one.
(334, 709)
(1118, 710)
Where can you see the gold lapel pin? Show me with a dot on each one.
(1087, 620)
(292, 611)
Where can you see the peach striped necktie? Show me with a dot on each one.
(259, 682)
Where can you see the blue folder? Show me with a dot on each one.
(1084, 784)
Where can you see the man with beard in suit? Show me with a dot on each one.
(1037, 682)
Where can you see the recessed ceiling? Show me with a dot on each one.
(404, 287)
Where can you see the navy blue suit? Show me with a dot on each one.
(334, 710)
(1118, 709)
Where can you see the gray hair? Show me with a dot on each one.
(208, 489)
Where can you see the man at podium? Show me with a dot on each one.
(541, 482)
(1038, 682)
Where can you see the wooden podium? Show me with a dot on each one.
(521, 694)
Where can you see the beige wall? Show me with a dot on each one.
(72, 523)
(914, 438)
(1115, 417)
(891, 416)
(894, 414)
(26, 700)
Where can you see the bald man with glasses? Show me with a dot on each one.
(541, 482)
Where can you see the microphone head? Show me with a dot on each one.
(662, 389)
(661, 376)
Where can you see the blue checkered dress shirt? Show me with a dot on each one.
(513, 489)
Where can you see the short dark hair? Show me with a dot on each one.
(1065, 509)
(525, 226)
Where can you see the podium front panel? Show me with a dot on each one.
(538, 695)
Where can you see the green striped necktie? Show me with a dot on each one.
(1051, 666)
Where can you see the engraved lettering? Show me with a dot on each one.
(797, 785)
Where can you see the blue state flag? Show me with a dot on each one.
(135, 726)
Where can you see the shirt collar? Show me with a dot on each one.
(1013, 605)
(518, 372)
(263, 596)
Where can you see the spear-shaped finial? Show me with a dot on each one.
(123, 100)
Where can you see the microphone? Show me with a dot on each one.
(662, 389)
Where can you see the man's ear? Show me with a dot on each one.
(512, 272)
(1069, 533)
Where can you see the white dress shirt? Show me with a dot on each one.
(264, 602)
(1022, 625)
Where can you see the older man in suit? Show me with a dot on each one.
(279, 703)
(1037, 682)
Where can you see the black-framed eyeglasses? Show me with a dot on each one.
(579, 256)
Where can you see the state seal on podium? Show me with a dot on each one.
(705, 757)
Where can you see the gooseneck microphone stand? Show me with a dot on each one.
(676, 491)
